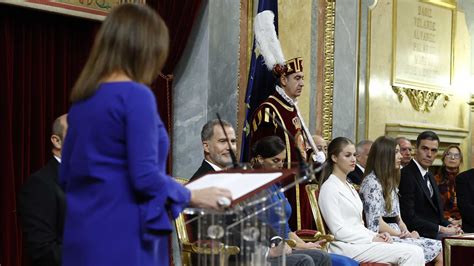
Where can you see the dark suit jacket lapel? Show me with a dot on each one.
(422, 183)
(436, 194)
(52, 172)
(52, 169)
(203, 169)
(358, 170)
(206, 167)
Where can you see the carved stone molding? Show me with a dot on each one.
(421, 100)
(447, 135)
(471, 103)
(328, 72)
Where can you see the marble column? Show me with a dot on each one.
(345, 69)
(205, 81)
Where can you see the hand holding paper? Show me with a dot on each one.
(239, 184)
(209, 197)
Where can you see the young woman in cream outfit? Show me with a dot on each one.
(342, 207)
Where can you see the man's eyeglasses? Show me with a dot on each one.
(453, 155)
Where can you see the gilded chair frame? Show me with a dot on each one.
(311, 190)
(198, 247)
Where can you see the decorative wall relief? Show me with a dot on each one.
(427, 103)
(423, 43)
(448, 135)
(421, 100)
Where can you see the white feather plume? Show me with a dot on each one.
(267, 42)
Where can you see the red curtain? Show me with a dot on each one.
(41, 55)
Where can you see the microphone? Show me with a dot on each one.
(303, 166)
(235, 163)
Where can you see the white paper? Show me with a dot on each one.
(239, 184)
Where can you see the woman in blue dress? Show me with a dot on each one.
(120, 201)
(269, 152)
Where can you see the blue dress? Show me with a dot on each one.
(284, 230)
(119, 198)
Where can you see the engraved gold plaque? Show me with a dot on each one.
(423, 38)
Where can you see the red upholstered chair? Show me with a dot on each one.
(313, 194)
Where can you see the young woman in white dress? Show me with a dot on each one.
(341, 208)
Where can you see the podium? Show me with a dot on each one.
(243, 234)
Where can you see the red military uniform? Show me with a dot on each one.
(263, 124)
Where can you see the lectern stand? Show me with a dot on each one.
(244, 232)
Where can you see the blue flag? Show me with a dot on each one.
(260, 84)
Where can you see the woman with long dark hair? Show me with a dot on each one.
(341, 208)
(120, 201)
(381, 205)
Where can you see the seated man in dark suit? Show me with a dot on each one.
(362, 149)
(420, 202)
(465, 197)
(216, 148)
(216, 158)
(41, 206)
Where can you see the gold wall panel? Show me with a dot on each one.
(294, 27)
(382, 103)
(423, 44)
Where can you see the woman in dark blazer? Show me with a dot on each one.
(465, 197)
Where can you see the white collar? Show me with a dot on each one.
(57, 158)
(422, 170)
(283, 94)
(345, 185)
(215, 167)
(361, 168)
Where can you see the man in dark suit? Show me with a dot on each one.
(41, 206)
(362, 149)
(465, 197)
(216, 148)
(420, 202)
